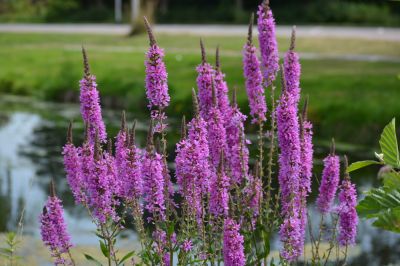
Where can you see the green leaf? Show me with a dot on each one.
(382, 204)
(391, 180)
(389, 220)
(388, 143)
(104, 249)
(127, 256)
(378, 201)
(90, 258)
(360, 164)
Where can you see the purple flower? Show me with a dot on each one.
(156, 74)
(221, 89)
(254, 195)
(53, 230)
(289, 144)
(187, 175)
(268, 43)
(348, 219)
(253, 77)
(236, 148)
(100, 186)
(289, 171)
(329, 183)
(292, 70)
(187, 245)
(216, 135)
(72, 167)
(205, 85)
(305, 168)
(90, 104)
(219, 191)
(153, 182)
(291, 237)
(233, 250)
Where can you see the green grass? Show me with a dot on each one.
(349, 100)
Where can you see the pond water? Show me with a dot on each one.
(31, 137)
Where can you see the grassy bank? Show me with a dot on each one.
(351, 100)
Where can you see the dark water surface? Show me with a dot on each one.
(32, 135)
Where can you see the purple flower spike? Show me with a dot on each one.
(289, 143)
(348, 219)
(292, 69)
(253, 77)
(233, 249)
(187, 172)
(236, 147)
(53, 230)
(132, 180)
(222, 89)
(219, 191)
(329, 182)
(153, 179)
(289, 170)
(292, 239)
(100, 186)
(204, 84)
(305, 167)
(72, 167)
(216, 132)
(90, 104)
(156, 74)
(268, 43)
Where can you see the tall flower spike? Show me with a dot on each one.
(132, 180)
(329, 182)
(236, 144)
(153, 178)
(289, 170)
(219, 191)
(253, 77)
(90, 103)
(306, 166)
(221, 88)
(348, 219)
(53, 229)
(233, 241)
(216, 131)
(204, 83)
(196, 109)
(268, 43)
(72, 166)
(156, 74)
(292, 69)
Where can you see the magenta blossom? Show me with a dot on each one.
(90, 104)
(219, 192)
(205, 85)
(329, 183)
(253, 77)
(268, 43)
(233, 249)
(156, 74)
(348, 219)
(292, 70)
(53, 230)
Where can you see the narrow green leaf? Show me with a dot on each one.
(127, 256)
(90, 258)
(389, 146)
(104, 249)
(360, 164)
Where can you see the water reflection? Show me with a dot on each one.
(30, 148)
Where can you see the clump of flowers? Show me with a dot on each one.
(224, 207)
